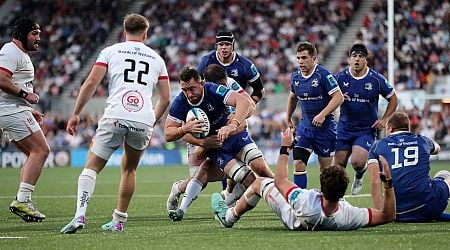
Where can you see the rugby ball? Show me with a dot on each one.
(199, 114)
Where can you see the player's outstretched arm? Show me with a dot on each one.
(282, 183)
(163, 91)
(387, 213)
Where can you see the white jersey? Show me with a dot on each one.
(308, 214)
(133, 71)
(16, 63)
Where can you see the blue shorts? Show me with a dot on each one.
(230, 148)
(321, 141)
(433, 208)
(345, 141)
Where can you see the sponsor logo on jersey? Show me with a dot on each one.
(326, 150)
(132, 101)
(368, 144)
(245, 138)
(296, 83)
(345, 84)
(368, 86)
(235, 86)
(295, 195)
(315, 83)
(209, 106)
(221, 90)
(331, 80)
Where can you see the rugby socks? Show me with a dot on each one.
(359, 174)
(230, 216)
(238, 190)
(300, 179)
(86, 185)
(119, 217)
(192, 190)
(24, 192)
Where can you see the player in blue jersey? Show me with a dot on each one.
(224, 142)
(319, 95)
(238, 67)
(358, 120)
(419, 198)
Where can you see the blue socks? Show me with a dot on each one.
(300, 179)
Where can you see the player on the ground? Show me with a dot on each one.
(419, 198)
(303, 209)
(134, 70)
(319, 95)
(358, 120)
(17, 117)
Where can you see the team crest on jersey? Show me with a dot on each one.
(315, 83)
(132, 101)
(221, 90)
(368, 86)
(210, 107)
(234, 72)
(220, 160)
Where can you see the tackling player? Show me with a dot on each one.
(319, 95)
(419, 198)
(303, 209)
(358, 120)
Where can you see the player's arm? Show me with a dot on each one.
(291, 105)
(282, 182)
(258, 90)
(244, 107)
(86, 92)
(391, 107)
(375, 184)
(336, 100)
(387, 213)
(174, 130)
(7, 85)
(163, 90)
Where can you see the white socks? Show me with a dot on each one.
(24, 192)
(86, 185)
(119, 217)
(192, 190)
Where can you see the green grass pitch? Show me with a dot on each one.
(148, 226)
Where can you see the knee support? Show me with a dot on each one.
(250, 152)
(251, 197)
(301, 154)
(238, 172)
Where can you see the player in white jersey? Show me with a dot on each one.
(133, 71)
(17, 117)
(303, 209)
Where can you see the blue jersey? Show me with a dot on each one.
(240, 69)
(409, 158)
(314, 94)
(360, 111)
(213, 103)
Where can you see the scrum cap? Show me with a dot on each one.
(224, 37)
(22, 27)
(359, 48)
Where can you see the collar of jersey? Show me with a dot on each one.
(312, 72)
(199, 102)
(358, 77)
(226, 64)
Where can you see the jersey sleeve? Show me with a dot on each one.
(353, 217)
(177, 111)
(103, 58)
(386, 89)
(252, 73)
(233, 85)
(373, 155)
(163, 74)
(8, 62)
(202, 65)
(330, 84)
(429, 143)
(219, 91)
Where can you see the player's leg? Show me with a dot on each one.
(242, 175)
(301, 153)
(360, 152)
(26, 134)
(445, 176)
(252, 156)
(341, 158)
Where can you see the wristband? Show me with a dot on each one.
(22, 94)
(284, 150)
(388, 184)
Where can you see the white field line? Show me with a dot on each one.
(12, 237)
(136, 195)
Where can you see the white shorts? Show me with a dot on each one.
(280, 206)
(111, 133)
(19, 125)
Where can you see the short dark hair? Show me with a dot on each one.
(399, 121)
(188, 72)
(333, 182)
(22, 27)
(135, 24)
(359, 48)
(311, 48)
(215, 73)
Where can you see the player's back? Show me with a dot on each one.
(133, 71)
(409, 158)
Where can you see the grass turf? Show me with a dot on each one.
(148, 226)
